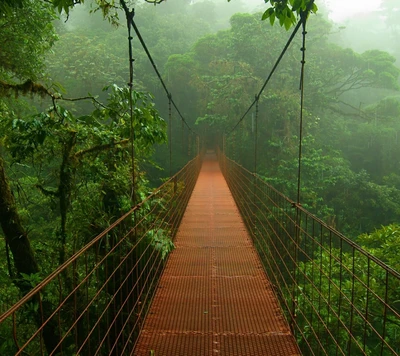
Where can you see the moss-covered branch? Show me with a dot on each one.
(28, 87)
(99, 148)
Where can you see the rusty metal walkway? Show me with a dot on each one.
(214, 298)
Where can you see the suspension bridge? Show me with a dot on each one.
(252, 273)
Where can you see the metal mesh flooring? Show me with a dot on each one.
(214, 298)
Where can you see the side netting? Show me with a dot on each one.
(338, 298)
(96, 302)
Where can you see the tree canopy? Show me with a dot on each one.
(66, 158)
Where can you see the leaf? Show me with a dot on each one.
(297, 4)
(269, 12)
(314, 8)
(265, 16)
(272, 19)
(288, 21)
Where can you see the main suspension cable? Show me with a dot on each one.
(158, 73)
(292, 36)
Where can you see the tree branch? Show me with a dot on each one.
(29, 87)
(92, 98)
(47, 192)
(336, 110)
(364, 114)
(98, 148)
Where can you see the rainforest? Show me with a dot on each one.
(88, 131)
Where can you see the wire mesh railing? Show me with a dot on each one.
(338, 298)
(95, 303)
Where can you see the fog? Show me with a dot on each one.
(88, 130)
(215, 55)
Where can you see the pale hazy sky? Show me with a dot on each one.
(342, 9)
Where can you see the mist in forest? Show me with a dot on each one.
(214, 57)
(81, 144)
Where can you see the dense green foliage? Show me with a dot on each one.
(67, 164)
(349, 151)
(67, 168)
(337, 285)
(286, 10)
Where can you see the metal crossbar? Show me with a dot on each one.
(95, 303)
(338, 298)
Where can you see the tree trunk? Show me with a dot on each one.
(24, 259)
(15, 235)
(64, 192)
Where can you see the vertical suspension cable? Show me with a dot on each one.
(190, 145)
(223, 156)
(256, 135)
(170, 133)
(255, 167)
(296, 243)
(234, 146)
(183, 137)
(129, 19)
(303, 62)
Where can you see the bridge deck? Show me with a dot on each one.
(213, 298)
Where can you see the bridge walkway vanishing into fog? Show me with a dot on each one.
(214, 297)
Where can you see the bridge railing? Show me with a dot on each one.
(95, 303)
(338, 298)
